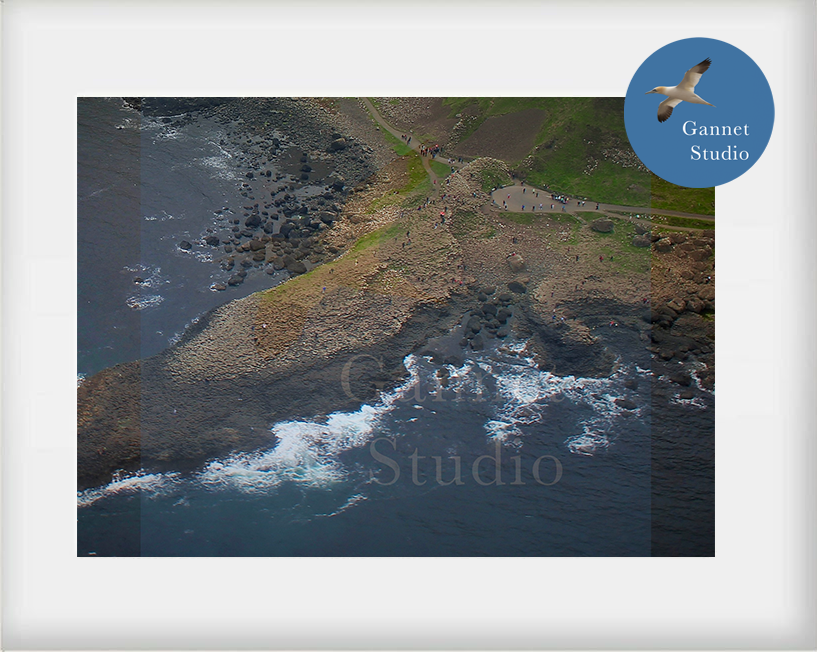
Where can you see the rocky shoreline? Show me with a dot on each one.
(368, 287)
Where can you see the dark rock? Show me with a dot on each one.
(516, 263)
(256, 245)
(625, 403)
(631, 383)
(296, 267)
(474, 324)
(663, 245)
(681, 378)
(253, 221)
(219, 287)
(184, 244)
(695, 305)
(236, 279)
(489, 309)
(516, 286)
(687, 394)
(212, 240)
(478, 343)
(641, 241)
(337, 145)
(602, 225)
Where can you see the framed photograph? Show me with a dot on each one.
(395, 326)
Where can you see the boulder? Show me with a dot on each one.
(256, 245)
(212, 240)
(707, 293)
(663, 245)
(695, 305)
(516, 286)
(474, 324)
(677, 305)
(677, 238)
(701, 254)
(184, 244)
(296, 267)
(236, 279)
(489, 309)
(478, 343)
(641, 241)
(625, 403)
(682, 378)
(253, 221)
(602, 225)
(516, 263)
(337, 145)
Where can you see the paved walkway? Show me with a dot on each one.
(526, 196)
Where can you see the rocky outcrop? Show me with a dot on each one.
(602, 225)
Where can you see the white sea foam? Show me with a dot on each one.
(351, 502)
(306, 452)
(149, 484)
(163, 217)
(142, 302)
(80, 379)
(696, 401)
(527, 391)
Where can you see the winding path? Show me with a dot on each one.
(520, 198)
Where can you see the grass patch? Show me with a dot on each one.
(375, 238)
(685, 222)
(625, 256)
(589, 215)
(668, 196)
(494, 178)
(418, 182)
(520, 218)
(440, 169)
(394, 101)
(470, 224)
(399, 147)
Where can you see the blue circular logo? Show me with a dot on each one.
(699, 112)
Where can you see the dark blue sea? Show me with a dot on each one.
(507, 460)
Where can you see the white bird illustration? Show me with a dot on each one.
(683, 92)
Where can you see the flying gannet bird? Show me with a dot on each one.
(683, 92)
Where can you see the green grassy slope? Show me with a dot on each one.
(582, 149)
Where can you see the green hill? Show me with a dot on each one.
(578, 146)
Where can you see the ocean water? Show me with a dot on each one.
(506, 460)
